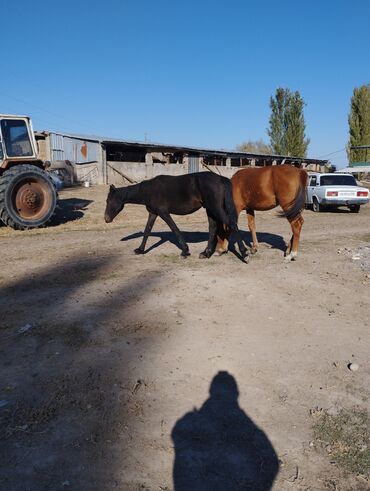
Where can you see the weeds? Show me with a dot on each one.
(346, 438)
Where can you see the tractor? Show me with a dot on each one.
(28, 195)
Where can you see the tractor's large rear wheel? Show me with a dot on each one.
(27, 197)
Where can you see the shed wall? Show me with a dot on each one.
(138, 171)
(87, 154)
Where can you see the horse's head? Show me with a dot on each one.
(115, 204)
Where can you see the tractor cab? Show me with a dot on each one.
(16, 139)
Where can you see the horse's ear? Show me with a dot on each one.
(112, 187)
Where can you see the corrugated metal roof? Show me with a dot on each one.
(166, 146)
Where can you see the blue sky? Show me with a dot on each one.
(197, 73)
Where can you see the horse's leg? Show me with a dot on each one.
(149, 225)
(292, 249)
(243, 250)
(223, 234)
(224, 217)
(212, 239)
(168, 219)
(252, 229)
(289, 248)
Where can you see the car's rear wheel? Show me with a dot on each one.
(316, 205)
(354, 208)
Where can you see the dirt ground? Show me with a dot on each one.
(160, 373)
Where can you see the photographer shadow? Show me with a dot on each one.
(218, 447)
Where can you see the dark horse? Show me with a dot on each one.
(264, 188)
(180, 195)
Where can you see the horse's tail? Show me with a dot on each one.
(230, 206)
(296, 206)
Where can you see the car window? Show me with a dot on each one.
(339, 180)
(16, 138)
(313, 181)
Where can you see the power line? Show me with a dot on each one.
(39, 109)
(332, 153)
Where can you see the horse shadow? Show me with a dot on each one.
(275, 241)
(218, 447)
(68, 210)
(189, 237)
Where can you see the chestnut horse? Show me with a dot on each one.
(263, 188)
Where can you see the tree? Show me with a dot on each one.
(258, 146)
(359, 123)
(287, 124)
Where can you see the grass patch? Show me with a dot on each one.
(346, 438)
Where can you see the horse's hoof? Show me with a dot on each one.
(219, 253)
(185, 254)
(139, 251)
(204, 255)
(253, 250)
(246, 259)
(290, 257)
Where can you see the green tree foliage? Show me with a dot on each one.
(258, 146)
(286, 125)
(359, 123)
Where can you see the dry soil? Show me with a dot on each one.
(154, 372)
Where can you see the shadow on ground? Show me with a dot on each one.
(273, 240)
(218, 447)
(68, 210)
(66, 398)
(331, 210)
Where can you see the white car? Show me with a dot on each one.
(333, 190)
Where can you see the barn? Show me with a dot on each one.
(101, 160)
